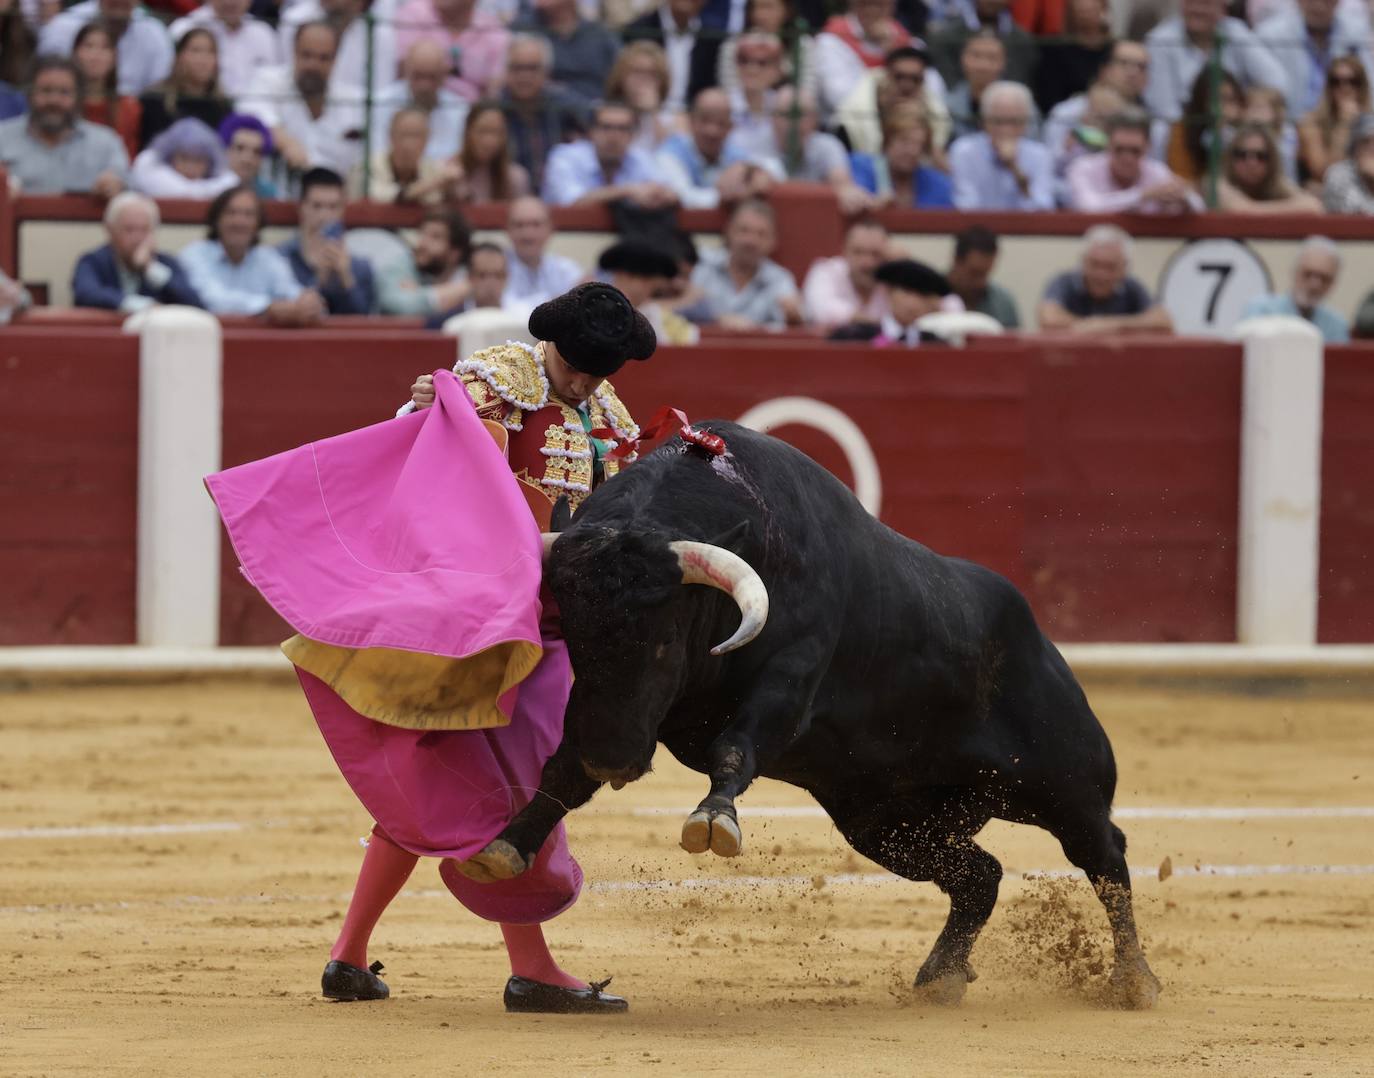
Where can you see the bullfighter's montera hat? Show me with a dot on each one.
(913, 276)
(595, 329)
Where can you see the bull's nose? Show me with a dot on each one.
(616, 776)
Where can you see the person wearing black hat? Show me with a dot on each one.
(551, 396)
(914, 290)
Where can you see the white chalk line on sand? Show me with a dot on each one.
(1295, 812)
(696, 883)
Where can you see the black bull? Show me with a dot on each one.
(911, 694)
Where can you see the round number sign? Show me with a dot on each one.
(1207, 283)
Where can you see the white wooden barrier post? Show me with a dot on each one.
(1280, 481)
(179, 424)
(483, 327)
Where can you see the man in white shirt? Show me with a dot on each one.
(144, 49)
(245, 43)
(350, 64)
(310, 126)
(534, 274)
(422, 87)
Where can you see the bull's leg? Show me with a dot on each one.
(768, 722)
(563, 786)
(1097, 846)
(919, 844)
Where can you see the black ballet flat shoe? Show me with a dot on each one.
(348, 984)
(525, 996)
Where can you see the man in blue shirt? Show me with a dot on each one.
(604, 167)
(317, 254)
(707, 166)
(1314, 275)
(999, 168)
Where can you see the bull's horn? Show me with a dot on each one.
(717, 567)
(549, 539)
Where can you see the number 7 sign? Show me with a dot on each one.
(1207, 283)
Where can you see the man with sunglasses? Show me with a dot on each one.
(906, 76)
(1123, 178)
(1304, 39)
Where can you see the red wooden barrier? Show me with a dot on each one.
(68, 486)
(1346, 583)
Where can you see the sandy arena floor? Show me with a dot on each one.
(174, 862)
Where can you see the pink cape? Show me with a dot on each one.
(412, 534)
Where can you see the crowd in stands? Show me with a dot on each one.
(1033, 105)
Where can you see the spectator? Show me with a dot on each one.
(1088, 137)
(1180, 46)
(12, 102)
(707, 166)
(538, 117)
(776, 21)
(101, 102)
(1253, 180)
(906, 77)
(642, 271)
(486, 172)
(583, 51)
(1124, 179)
(850, 44)
(422, 87)
(474, 40)
(51, 150)
(1099, 297)
(970, 277)
(982, 62)
(1267, 108)
(402, 173)
(1324, 133)
(310, 126)
(1350, 183)
(433, 278)
(604, 167)
(1126, 70)
(1305, 38)
(641, 79)
(316, 253)
(128, 273)
(185, 161)
(912, 290)
(741, 286)
(693, 56)
(14, 298)
(235, 274)
(1191, 136)
(1069, 66)
(903, 176)
(191, 90)
(244, 43)
(247, 142)
(145, 50)
(843, 289)
(1314, 275)
(758, 58)
(819, 157)
(947, 39)
(1000, 168)
(18, 42)
(535, 274)
(345, 18)
(486, 279)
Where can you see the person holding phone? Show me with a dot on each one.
(317, 253)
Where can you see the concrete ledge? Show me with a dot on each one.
(1220, 664)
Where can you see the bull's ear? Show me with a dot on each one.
(731, 537)
(562, 514)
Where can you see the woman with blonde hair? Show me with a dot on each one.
(1324, 133)
(902, 175)
(486, 172)
(192, 89)
(640, 78)
(1252, 179)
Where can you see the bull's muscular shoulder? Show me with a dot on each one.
(504, 382)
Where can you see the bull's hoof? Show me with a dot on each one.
(1133, 985)
(946, 989)
(718, 833)
(499, 861)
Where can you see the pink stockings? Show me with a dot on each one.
(386, 867)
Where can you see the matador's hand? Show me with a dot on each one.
(422, 392)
